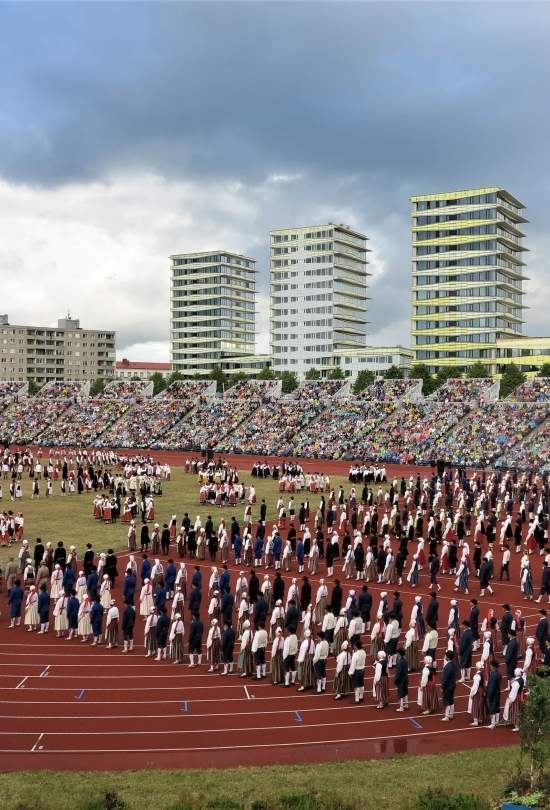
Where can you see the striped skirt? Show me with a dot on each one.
(339, 639)
(381, 692)
(151, 642)
(342, 682)
(430, 698)
(320, 610)
(411, 654)
(214, 653)
(477, 706)
(376, 645)
(277, 673)
(306, 675)
(111, 633)
(245, 662)
(176, 648)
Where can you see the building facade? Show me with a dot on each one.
(318, 280)
(377, 359)
(63, 353)
(213, 300)
(467, 276)
(141, 369)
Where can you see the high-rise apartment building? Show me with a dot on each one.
(467, 276)
(212, 312)
(55, 354)
(318, 278)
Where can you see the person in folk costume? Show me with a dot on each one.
(411, 647)
(313, 561)
(80, 586)
(146, 598)
(84, 624)
(401, 680)
(96, 620)
(342, 680)
(448, 685)
(493, 694)
(277, 667)
(259, 646)
(518, 624)
(486, 654)
(428, 698)
(466, 647)
(454, 619)
(150, 635)
(321, 601)
(176, 639)
(60, 613)
(462, 579)
(328, 626)
(412, 576)
(417, 616)
(132, 536)
(357, 672)
(477, 706)
(157, 572)
(380, 690)
(42, 576)
(72, 560)
(391, 637)
(105, 592)
(43, 606)
(320, 663)
(290, 652)
(277, 620)
(178, 603)
(241, 587)
(111, 625)
(267, 589)
(214, 606)
(214, 581)
(31, 610)
(181, 579)
(305, 662)
(348, 568)
(512, 707)
(56, 586)
(377, 633)
(245, 660)
(527, 582)
(340, 631)
(243, 612)
(308, 623)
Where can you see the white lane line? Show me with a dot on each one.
(358, 721)
(249, 696)
(216, 747)
(21, 684)
(44, 672)
(37, 746)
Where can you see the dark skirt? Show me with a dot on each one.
(342, 682)
(358, 678)
(305, 675)
(277, 674)
(381, 691)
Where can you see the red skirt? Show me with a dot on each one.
(430, 698)
(381, 691)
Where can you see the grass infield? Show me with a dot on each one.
(392, 784)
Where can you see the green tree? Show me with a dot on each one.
(289, 382)
(512, 376)
(477, 371)
(544, 370)
(336, 374)
(534, 725)
(176, 376)
(267, 373)
(221, 380)
(97, 387)
(363, 380)
(159, 383)
(393, 373)
(233, 379)
(34, 388)
(420, 371)
(445, 374)
(313, 374)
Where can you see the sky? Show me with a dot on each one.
(131, 131)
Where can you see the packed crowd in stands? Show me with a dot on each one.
(9, 391)
(155, 416)
(459, 390)
(533, 390)
(320, 419)
(276, 425)
(481, 440)
(82, 424)
(28, 417)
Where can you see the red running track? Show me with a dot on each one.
(68, 706)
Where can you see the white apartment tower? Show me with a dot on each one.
(318, 279)
(213, 297)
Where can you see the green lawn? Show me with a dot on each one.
(70, 518)
(392, 784)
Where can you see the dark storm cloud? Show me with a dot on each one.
(369, 102)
